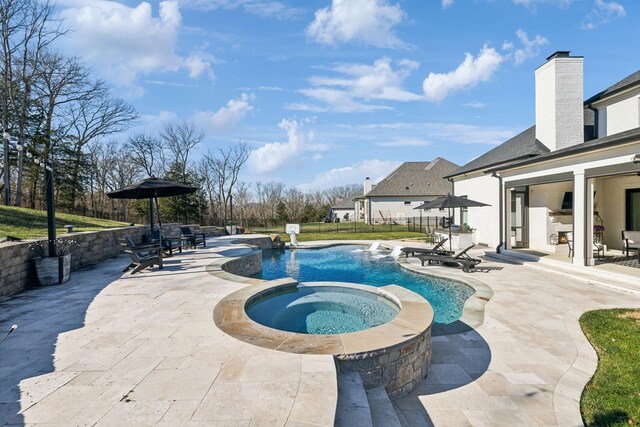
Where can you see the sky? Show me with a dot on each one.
(329, 92)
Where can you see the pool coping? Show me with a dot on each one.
(414, 317)
(472, 312)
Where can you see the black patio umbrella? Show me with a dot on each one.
(450, 202)
(152, 188)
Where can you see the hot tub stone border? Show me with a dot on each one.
(395, 354)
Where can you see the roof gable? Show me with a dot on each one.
(414, 179)
(625, 83)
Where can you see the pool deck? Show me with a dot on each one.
(114, 349)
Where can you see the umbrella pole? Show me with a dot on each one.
(151, 213)
(449, 220)
(159, 231)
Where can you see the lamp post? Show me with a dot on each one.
(7, 176)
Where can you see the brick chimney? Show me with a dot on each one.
(559, 101)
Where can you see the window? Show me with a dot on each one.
(407, 203)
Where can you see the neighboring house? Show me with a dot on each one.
(345, 209)
(394, 199)
(576, 170)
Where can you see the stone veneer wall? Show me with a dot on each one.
(399, 368)
(245, 266)
(17, 272)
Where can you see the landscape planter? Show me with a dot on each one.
(54, 270)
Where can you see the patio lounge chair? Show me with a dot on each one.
(194, 239)
(631, 240)
(461, 258)
(436, 249)
(142, 256)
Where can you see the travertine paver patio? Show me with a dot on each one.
(526, 365)
(143, 350)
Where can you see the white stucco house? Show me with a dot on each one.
(394, 199)
(576, 170)
(345, 208)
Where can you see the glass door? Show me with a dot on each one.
(519, 218)
(633, 209)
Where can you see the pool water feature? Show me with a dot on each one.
(321, 309)
(353, 264)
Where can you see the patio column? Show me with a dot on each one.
(579, 218)
(588, 214)
(507, 218)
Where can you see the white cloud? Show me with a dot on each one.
(603, 13)
(264, 8)
(530, 48)
(472, 71)
(226, 118)
(123, 42)
(533, 3)
(275, 155)
(446, 3)
(369, 22)
(375, 169)
(404, 142)
(475, 105)
(439, 133)
(357, 83)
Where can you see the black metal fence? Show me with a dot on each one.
(412, 224)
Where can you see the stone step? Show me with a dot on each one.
(621, 282)
(383, 414)
(353, 406)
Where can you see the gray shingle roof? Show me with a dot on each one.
(414, 179)
(523, 145)
(595, 144)
(621, 85)
(347, 203)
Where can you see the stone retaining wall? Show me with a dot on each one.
(398, 368)
(17, 272)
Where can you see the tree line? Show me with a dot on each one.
(55, 114)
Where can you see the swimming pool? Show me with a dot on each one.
(352, 263)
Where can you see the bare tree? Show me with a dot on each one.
(336, 194)
(227, 163)
(180, 139)
(149, 152)
(294, 200)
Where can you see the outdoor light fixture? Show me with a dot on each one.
(19, 147)
(636, 159)
(5, 135)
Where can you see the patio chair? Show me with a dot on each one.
(598, 248)
(194, 239)
(436, 249)
(168, 243)
(461, 259)
(142, 256)
(631, 240)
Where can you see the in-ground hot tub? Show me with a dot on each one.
(393, 351)
(321, 309)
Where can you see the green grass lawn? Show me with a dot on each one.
(30, 224)
(382, 235)
(343, 227)
(612, 397)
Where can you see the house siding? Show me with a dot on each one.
(619, 114)
(482, 188)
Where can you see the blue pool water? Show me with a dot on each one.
(350, 263)
(321, 310)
